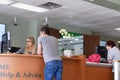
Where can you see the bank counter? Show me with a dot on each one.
(31, 67)
(101, 71)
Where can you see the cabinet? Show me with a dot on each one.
(90, 42)
(54, 32)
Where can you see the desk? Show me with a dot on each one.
(74, 68)
(101, 71)
(21, 67)
(31, 67)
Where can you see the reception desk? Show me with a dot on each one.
(21, 67)
(101, 71)
(31, 67)
(74, 68)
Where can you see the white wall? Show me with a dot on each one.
(32, 30)
(20, 32)
(25, 28)
(71, 28)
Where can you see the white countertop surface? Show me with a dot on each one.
(98, 64)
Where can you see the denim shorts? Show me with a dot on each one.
(53, 69)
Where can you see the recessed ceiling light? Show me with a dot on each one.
(29, 7)
(118, 29)
(6, 2)
(118, 41)
(91, 0)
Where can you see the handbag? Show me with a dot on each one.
(94, 58)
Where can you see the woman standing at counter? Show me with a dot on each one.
(113, 52)
(48, 47)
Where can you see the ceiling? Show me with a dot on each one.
(99, 16)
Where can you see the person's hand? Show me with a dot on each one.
(13, 53)
(40, 55)
(109, 61)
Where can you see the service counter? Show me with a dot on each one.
(21, 67)
(31, 67)
(99, 71)
(74, 68)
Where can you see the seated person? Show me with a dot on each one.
(30, 47)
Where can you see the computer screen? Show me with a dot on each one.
(2, 31)
(102, 51)
(6, 42)
(14, 49)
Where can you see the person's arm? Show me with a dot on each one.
(110, 57)
(109, 61)
(39, 49)
(21, 51)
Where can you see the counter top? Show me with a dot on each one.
(19, 55)
(98, 64)
(74, 57)
(30, 55)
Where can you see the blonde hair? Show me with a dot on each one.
(33, 51)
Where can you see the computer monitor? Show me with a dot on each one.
(2, 31)
(6, 42)
(102, 51)
(14, 49)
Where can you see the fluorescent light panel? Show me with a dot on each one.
(29, 7)
(118, 41)
(6, 2)
(117, 29)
